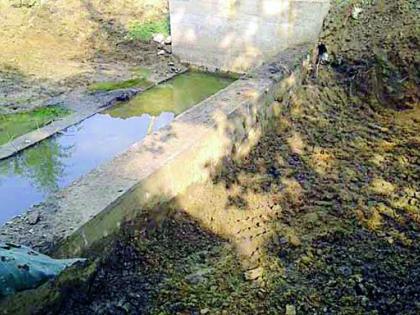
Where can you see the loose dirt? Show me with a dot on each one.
(54, 47)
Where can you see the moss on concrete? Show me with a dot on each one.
(110, 86)
(15, 125)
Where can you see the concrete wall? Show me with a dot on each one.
(235, 35)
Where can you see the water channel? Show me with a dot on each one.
(32, 175)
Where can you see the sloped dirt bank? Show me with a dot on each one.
(373, 49)
(50, 48)
(323, 216)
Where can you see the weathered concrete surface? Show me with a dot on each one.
(159, 168)
(235, 35)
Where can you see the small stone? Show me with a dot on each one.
(261, 294)
(290, 309)
(168, 40)
(159, 38)
(168, 49)
(254, 274)
(204, 311)
(33, 217)
(356, 12)
(161, 52)
(324, 58)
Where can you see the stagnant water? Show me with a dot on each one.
(29, 177)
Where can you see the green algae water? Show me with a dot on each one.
(32, 175)
(174, 96)
(15, 125)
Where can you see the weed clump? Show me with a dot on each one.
(145, 31)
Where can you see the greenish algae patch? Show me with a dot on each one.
(175, 95)
(15, 125)
(110, 86)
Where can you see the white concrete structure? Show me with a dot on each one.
(235, 35)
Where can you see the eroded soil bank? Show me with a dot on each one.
(322, 217)
(52, 48)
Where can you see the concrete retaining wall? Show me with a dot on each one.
(235, 35)
(159, 168)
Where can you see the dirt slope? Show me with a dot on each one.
(54, 39)
(50, 47)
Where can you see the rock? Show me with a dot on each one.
(324, 58)
(262, 294)
(356, 12)
(254, 274)
(159, 38)
(168, 40)
(204, 311)
(161, 52)
(33, 217)
(168, 49)
(290, 309)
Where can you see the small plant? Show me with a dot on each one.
(145, 31)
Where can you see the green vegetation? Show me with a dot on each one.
(140, 80)
(110, 86)
(15, 125)
(145, 31)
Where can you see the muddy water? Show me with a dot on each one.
(28, 178)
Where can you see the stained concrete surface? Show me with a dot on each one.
(238, 35)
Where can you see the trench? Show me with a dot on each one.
(36, 173)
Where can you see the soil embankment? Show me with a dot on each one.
(53, 47)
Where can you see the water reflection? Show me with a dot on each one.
(175, 96)
(29, 177)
